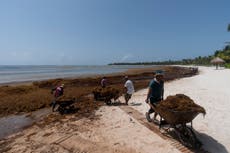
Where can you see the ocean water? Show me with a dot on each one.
(14, 74)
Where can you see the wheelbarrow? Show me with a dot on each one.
(65, 106)
(106, 94)
(179, 121)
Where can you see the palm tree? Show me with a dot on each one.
(228, 31)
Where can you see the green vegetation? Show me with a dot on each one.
(196, 61)
(227, 65)
(205, 60)
(224, 54)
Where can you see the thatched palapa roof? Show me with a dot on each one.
(217, 60)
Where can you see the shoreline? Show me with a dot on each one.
(30, 97)
(89, 73)
(93, 75)
(50, 129)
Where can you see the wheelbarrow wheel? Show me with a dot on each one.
(61, 110)
(108, 102)
(187, 137)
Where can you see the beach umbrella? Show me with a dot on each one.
(217, 61)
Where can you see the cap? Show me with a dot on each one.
(159, 73)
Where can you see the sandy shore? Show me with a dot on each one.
(114, 130)
(210, 89)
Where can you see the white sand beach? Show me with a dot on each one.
(209, 89)
(117, 131)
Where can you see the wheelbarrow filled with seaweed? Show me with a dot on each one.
(65, 105)
(176, 112)
(106, 94)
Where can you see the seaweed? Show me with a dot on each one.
(181, 102)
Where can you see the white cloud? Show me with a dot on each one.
(65, 59)
(126, 58)
(14, 57)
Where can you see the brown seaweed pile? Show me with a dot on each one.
(28, 97)
(181, 102)
(65, 98)
(106, 93)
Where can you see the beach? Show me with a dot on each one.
(210, 90)
(120, 128)
(32, 96)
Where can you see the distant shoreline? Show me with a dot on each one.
(129, 71)
(19, 75)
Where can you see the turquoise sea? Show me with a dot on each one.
(14, 73)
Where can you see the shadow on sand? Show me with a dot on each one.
(208, 143)
(219, 68)
(118, 103)
(135, 104)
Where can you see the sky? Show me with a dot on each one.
(98, 32)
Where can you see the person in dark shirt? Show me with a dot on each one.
(155, 94)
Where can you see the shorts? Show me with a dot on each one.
(154, 100)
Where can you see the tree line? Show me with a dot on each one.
(201, 60)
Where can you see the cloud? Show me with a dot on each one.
(65, 59)
(126, 58)
(14, 57)
(23, 55)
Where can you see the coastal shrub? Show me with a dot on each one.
(227, 65)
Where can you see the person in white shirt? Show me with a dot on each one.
(129, 89)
